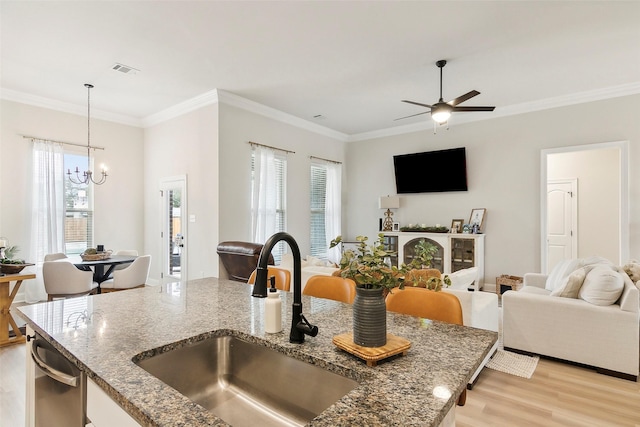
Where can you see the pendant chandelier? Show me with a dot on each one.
(87, 176)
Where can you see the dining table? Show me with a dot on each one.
(6, 298)
(101, 268)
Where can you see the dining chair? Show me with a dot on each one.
(56, 256)
(331, 287)
(133, 276)
(63, 279)
(419, 277)
(283, 278)
(127, 252)
(428, 304)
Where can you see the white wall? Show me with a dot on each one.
(598, 175)
(237, 128)
(186, 145)
(118, 211)
(503, 161)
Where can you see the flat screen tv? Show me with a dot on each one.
(431, 171)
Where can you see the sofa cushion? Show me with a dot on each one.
(571, 284)
(560, 272)
(602, 286)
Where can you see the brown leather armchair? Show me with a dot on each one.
(240, 258)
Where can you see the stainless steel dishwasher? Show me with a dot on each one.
(60, 388)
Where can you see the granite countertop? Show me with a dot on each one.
(102, 333)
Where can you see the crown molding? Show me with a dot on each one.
(257, 108)
(65, 107)
(511, 110)
(200, 101)
(217, 95)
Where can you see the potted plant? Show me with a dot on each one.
(369, 267)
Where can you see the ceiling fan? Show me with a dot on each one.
(441, 111)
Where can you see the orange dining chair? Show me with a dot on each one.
(429, 304)
(331, 287)
(283, 278)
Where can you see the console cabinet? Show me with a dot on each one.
(456, 251)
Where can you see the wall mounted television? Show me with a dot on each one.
(431, 171)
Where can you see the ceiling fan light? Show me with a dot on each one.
(440, 116)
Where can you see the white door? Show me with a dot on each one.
(173, 196)
(562, 221)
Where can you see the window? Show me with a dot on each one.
(78, 209)
(318, 202)
(268, 196)
(325, 197)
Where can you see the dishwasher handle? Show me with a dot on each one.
(53, 373)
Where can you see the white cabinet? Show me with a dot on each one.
(103, 411)
(456, 251)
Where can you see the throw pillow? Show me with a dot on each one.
(602, 286)
(571, 285)
(560, 272)
(632, 268)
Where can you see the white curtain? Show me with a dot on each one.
(47, 222)
(264, 203)
(333, 209)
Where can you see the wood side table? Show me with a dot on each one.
(6, 298)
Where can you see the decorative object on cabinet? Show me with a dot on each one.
(388, 203)
(425, 229)
(456, 225)
(477, 218)
(396, 226)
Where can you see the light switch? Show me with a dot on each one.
(192, 218)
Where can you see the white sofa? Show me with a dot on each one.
(310, 267)
(569, 328)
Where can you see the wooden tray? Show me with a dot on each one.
(372, 355)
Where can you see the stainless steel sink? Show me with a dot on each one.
(247, 384)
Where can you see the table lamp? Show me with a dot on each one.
(388, 203)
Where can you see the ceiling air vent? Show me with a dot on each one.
(124, 69)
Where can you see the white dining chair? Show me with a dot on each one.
(53, 257)
(133, 276)
(126, 252)
(63, 280)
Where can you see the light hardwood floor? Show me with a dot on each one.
(558, 394)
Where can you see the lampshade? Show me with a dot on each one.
(440, 113)
(389, 202)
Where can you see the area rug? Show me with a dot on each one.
(509, 362)
(513, 363)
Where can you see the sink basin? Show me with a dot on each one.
(247, 384)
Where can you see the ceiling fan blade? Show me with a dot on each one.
(463, 98)
(413, 115)
(416, 103)
(474, 108)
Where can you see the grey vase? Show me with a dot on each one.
(369, 318)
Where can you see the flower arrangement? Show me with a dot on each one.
(369, 266)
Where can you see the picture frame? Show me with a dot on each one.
(396, 226)
(456, 225)
(477, 217)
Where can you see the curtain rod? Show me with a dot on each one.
(326, 160)
(273, 148)
(34, 138)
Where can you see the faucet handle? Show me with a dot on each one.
(306, 327)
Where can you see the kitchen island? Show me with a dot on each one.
(101, 334)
